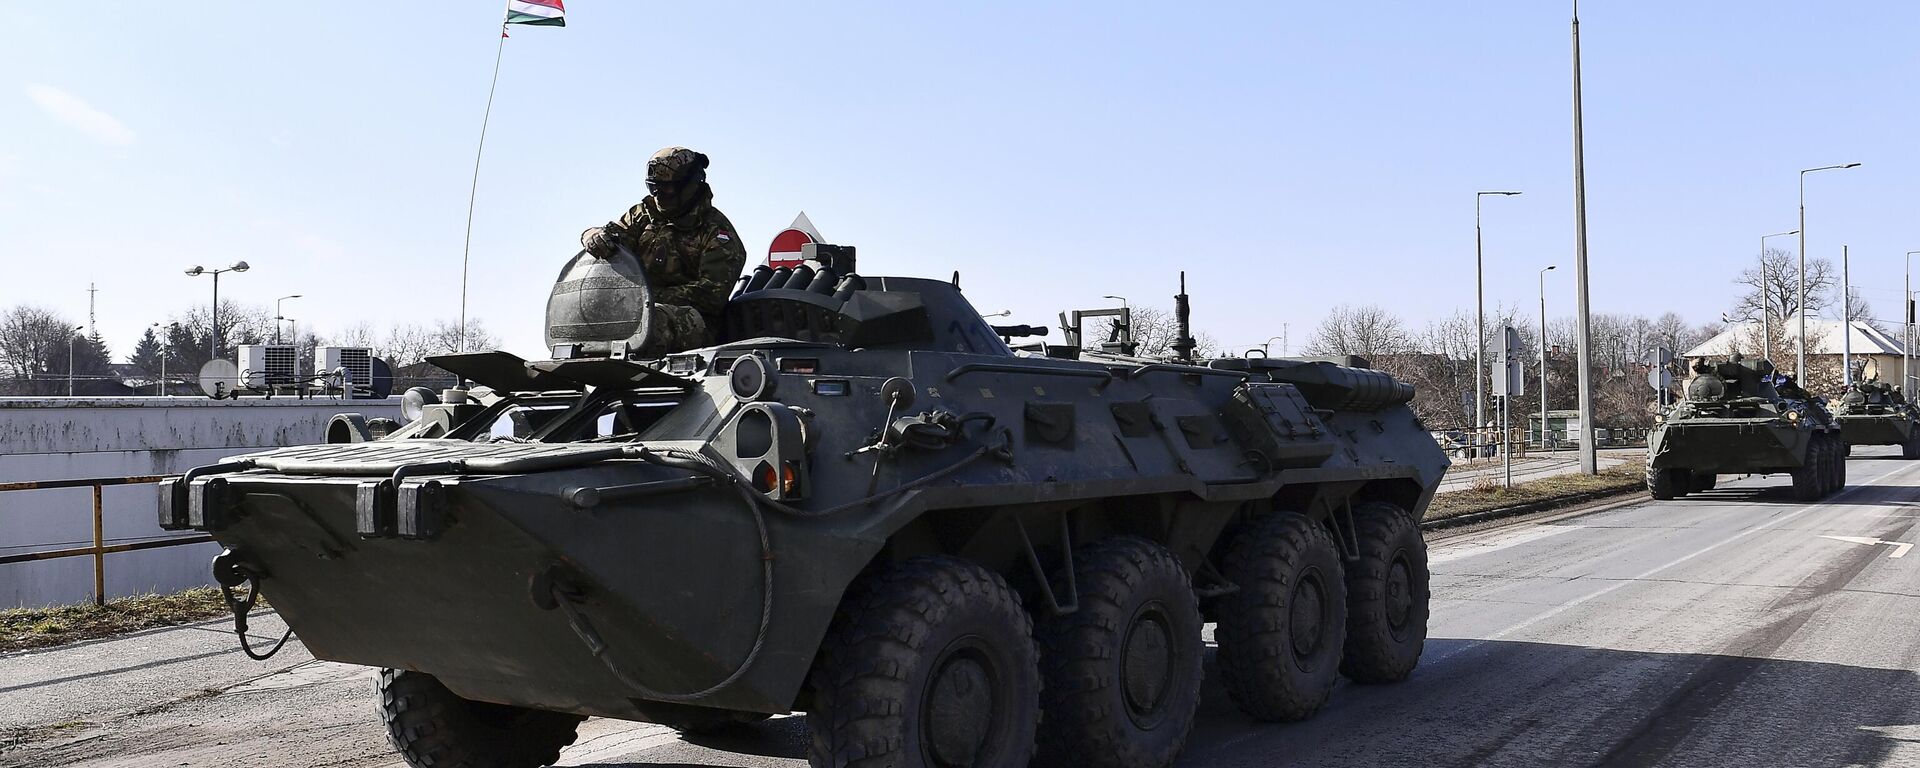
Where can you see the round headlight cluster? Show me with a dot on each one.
(1793, 416)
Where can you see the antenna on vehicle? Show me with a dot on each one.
(1183, 344)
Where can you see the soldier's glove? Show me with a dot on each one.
(597, 242)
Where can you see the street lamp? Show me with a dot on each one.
(1266, 346)
(1121, 299)
(1906, 341)
(213, 336)
(1543, 355)
(1800, 366)
(72, 341)
(1479, 314)
(277, 317)
(1766, 298)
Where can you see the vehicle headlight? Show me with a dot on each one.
(1793, 416)
(1659, 418)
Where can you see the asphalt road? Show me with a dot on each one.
(1733, 627)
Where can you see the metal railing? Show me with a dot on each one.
(100, 548)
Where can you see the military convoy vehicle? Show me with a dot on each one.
(1740, 418)
(1874, 413)
(861, 504)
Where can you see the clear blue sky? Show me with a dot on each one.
(1289, 156)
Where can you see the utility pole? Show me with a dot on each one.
(1846, 323)
(1906, 340)
(1589, 459)
(93, 329)
(1800, 365)
(1543, 355)
(1480, 315)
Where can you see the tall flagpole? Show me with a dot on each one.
(472, 191)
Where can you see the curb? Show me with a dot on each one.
(1543, 505)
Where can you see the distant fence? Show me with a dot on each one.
(100, 548)
(1473, 444)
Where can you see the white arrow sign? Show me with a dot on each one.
(1899, 547)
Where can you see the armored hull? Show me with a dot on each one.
(707, 537)
(1876, 429)
(1734, 421)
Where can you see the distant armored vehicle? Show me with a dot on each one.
(861, 504)
(1740, 418)
(1873, 413)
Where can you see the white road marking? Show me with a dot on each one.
(1899, 547)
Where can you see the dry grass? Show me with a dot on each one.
(1487, 494)
(23, 628)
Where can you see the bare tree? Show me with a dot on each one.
(36, 347)
(1368, 331)
(1773, 286)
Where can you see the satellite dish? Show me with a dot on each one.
(382, 384)
(219, 378)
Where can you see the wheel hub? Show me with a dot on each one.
(1308, 614)
(958, 712)
(1399, 595)
(1146, 666)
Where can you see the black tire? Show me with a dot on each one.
(1704, 481)
(700, 721)
(1829, 474)
(1807, 479)
(1910, 449)
(1387, 595)
(1665, 484)
(1849, 452)
(1661, 484)
(930, 662)
(433, 727)
(1121, 674)
(1282, 631)
(1839, 470)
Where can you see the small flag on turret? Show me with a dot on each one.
(544, 13)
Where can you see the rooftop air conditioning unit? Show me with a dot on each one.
(264, 365)
(357, 362)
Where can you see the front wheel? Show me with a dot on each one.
(1809, 479)
(927, 663)
(1666, 484)
(433, 727)
(1282, 631)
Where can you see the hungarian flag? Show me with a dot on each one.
(544, 13)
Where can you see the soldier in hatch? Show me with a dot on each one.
(690, 252)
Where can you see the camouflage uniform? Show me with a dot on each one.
(690, 251)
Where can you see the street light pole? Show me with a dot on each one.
(1589, 458)
(73, 340)
(1800, 365)
(1480, 314)
(1266, 346)
(1766, 298)
(213, 334)
(1543, 355)
(277, 318)
(1906, 339)
(1846, 322)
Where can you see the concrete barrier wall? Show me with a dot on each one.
(58, 438)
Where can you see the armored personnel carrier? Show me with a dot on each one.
(861, 504)
(1874, 413)
(1740, 418)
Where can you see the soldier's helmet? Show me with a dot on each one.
(675, 166)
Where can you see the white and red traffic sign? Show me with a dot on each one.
(785, 250)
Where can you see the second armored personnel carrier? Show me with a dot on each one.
(1740, 418)
(1874, 413)
(861, 504)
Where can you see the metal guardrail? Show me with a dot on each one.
(100, 548)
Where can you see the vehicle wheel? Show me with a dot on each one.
(1829, 469)
(927, 663)
(1839, 472)
(1807, 479)
(1703, 481)
(1910, 449)
(1281, 632)
(1849, 452)
(1387, 593)
(697, 721)
(433, 726)
(1121, 674)
(1661, 484)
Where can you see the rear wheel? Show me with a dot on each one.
(433, 727)
(928, 663)
(1387, 593)
(1281, 632)
(1910, 449)
(1121, 674)
(1704, 481)
(1839, 468)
